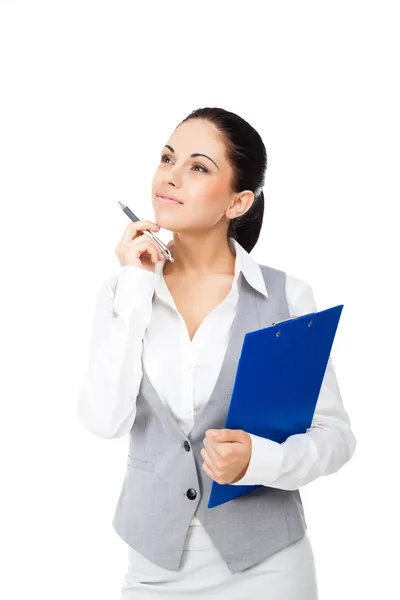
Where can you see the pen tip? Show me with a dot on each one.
(120, 203)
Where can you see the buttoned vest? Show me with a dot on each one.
(164, 484)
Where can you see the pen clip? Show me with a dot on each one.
(160, 244)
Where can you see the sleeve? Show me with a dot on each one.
(109, 387)
(326, 445)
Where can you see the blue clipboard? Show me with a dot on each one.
(277, 383)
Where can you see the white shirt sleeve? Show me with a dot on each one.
(325, 447)
(109, 388)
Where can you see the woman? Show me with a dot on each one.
(164, 351)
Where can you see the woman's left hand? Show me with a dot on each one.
(227, 455)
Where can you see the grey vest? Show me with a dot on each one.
(164, 484)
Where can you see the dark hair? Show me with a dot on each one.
(247, 155)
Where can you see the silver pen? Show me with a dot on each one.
(161, 244)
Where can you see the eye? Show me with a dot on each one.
(203, 169)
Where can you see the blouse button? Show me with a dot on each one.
(186, 445)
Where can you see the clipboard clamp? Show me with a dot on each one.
(284, 320)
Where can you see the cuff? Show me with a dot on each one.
(135, 287)
(265, 462)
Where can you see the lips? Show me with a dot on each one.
(169, 199)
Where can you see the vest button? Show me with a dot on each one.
(191, 494)
(186, 445)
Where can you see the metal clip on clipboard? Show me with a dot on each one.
(294, 317)
(284, 320)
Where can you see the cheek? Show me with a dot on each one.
(206, 209)
(211, 196)
(155, 183)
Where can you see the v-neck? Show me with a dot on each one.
(166, 296)
(246, 319)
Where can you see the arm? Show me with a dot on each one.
(325, 447)
(109, 388)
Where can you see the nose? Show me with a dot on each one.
(173, 177)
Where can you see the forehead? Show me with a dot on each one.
(198, 135)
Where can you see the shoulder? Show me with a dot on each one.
(299, 292)
(300, 296)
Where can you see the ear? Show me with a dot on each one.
(240, 205)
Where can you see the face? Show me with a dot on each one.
(200, 183)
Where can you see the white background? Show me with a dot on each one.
(90, 92)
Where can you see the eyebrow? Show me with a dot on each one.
(194, 155)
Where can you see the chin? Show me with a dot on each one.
(163, 219)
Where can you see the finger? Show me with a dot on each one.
(133, 228)
(145, 244)
(207, 459)
(157, 254)
(147, 237)
(208, 471)
(160, 252)
(153, 253)
(210, 462)
(156, 245)
(212, 449)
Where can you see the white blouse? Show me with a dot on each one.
(140, 316)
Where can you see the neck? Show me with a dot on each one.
(199, 255)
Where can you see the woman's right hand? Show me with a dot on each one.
(138, 249)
